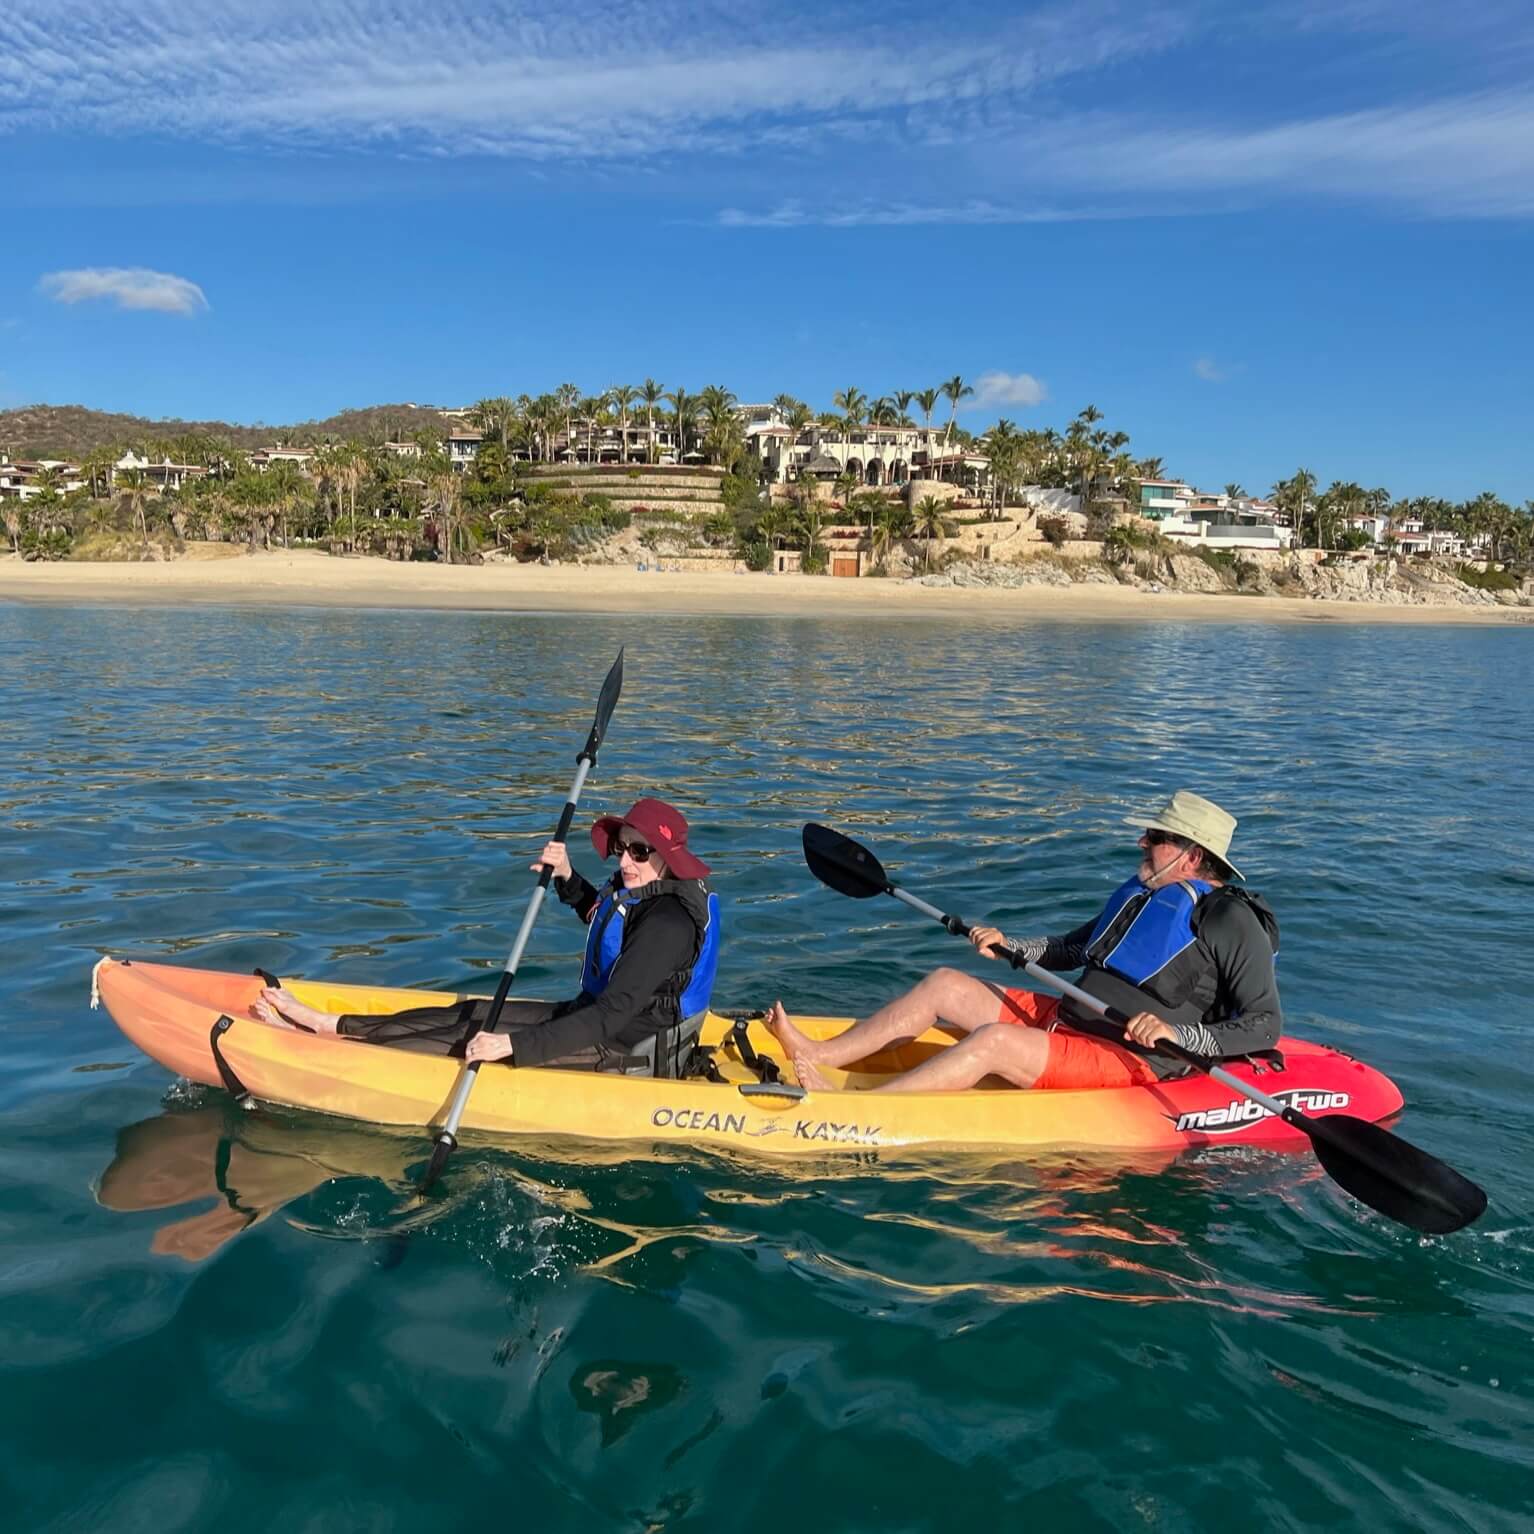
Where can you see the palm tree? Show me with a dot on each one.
(852, 403)
(13, 509)
(445, 489)
(1296, 496)
(348, 469)
(893, 521)
(287, 486)
(953, 391)
(623, 396)
(927, 399)
(725, 440)
(134, 489)
(652, 394)
(568, 398)
(930, 523)
(97, 468)
(846, 483)
(493, 417)
(590, 411)
(809, 526)
(684, 407)
(1234, 492)
(1343, 500)
(1004, 447)
(903, 398)
(715, 401)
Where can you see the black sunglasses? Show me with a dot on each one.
(1155, 838)
(641, 852)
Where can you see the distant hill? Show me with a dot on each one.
(71, 431)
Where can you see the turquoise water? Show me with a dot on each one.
(581, 1338)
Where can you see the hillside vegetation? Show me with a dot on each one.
(72, 431)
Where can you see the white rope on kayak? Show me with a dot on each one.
(96, 985)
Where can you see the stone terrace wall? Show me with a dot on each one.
(691, 492)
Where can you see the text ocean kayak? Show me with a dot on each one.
(170, 1012)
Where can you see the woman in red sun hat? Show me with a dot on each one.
(652, 949)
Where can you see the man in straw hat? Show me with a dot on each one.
(1187, 955)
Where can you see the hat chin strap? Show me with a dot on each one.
(1159, 879)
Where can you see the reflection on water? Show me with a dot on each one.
(641, 1337)
(246, 1165)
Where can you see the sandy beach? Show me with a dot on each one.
(305, 578)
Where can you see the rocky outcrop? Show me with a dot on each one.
(1420, 584)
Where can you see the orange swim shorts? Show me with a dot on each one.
(1075, 1059)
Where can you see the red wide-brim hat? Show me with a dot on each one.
(663, 826)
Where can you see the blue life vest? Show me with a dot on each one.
(1160, 930)
(604, 942)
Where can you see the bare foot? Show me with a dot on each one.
(796, 1045)
(290, 1009)
(265, 1012)
(809, 1074)
(799, 1048)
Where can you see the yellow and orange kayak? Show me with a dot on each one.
(170, 1013)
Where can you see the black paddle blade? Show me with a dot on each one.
(606, 703)
(439, 1154)
(1387, 1173)
(841, 864)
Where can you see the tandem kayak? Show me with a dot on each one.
(170, 1013)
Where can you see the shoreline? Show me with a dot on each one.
(305, 578)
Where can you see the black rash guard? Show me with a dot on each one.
(1245, 1015)
(660, 940)
(662, 937)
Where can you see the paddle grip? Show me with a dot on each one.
(562, 830)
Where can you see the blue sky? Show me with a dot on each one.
(1254, 235)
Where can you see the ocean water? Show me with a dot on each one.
(198, 1327)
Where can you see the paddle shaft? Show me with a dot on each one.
(518, 948)
(447, 1137)
(961, 928)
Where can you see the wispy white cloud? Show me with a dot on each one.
(1209, 370)
(997, 388)
(794, 214)
(891, 120)
(129, 287)
(593, 80)
(1466, 156)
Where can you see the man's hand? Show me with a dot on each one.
(486, 1047)
(991, 942)
(1144, 1028)
(554, 856)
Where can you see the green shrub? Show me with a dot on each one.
(757, 556)
(1054, 529)
(814, 561)
(45, 543)
(1487, 580)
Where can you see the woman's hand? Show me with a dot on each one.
(990, 941)
(486, 1047)
(1144, 1028)
(554, 856)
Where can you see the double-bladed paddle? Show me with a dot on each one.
(1377, 1167)
(447, 1137)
